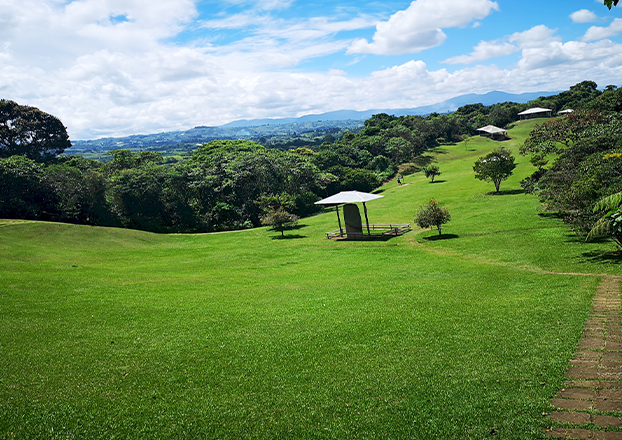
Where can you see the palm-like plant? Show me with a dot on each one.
(610, 224)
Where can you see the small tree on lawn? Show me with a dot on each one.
(431, 171)
(432, 214)
(280, 220)
(495, 166)
(276, 212)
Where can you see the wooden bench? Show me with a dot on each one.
(379, 230)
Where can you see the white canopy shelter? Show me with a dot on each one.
(349, 197)
(491, 129)
(493, 132)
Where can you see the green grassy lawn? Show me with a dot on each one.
(110, 333)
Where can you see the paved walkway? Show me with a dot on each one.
(590, 405)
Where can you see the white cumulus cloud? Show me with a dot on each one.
(121, 67)
(419, 27)
(484, 51)
(599, 33)
(535, 37)
(583, 16)
(570, 56)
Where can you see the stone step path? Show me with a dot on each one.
(590, 405)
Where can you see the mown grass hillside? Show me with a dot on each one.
(112, 333)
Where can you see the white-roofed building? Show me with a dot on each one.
(536, 112)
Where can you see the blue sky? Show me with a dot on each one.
(119, 67)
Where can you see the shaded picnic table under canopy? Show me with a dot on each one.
(352, 216)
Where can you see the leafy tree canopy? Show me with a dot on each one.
(29, 132)
(431, 171)
(360, 180)
(125, 159)
(552, 136)
(608, 101)
(589, 169)
(280, 220)
(432, 214)
(496, 166)
(205, 151)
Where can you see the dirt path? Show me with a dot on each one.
(590, 405)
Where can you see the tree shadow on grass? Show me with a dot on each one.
(441, 237)
(570, 236)
(439, 181)
(287, 237)
(507, 192)
(556, 215)
(423, 160)
(600, 256)
(365, 237)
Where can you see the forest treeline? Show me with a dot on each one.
(221, 185)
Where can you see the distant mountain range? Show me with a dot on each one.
(447, 106)
(309, 128)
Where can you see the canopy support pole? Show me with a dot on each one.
(339, 220)
(366, 218)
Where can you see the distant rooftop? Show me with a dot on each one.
(535, 110)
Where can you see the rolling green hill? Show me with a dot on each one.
(110, 333)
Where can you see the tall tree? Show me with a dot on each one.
(29, 132)
(588, 170)
(496, 166)
(553, 136)
(22, 191)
